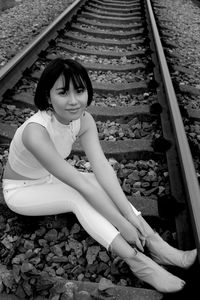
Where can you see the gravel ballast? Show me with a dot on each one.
(180, 20)
(20, 24)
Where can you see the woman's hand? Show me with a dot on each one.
(132, 235)
(135, 221)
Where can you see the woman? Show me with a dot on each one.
(39, 181)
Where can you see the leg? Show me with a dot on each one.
(41, 201)
(127, 230)
(145, 268)
(92, 179)
(55, 198)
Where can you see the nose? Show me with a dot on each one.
(72, 99)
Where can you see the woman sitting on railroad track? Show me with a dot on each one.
(39, 181)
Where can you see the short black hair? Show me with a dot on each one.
(71, 70)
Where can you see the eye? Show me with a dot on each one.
(62, 92)
(80, 90)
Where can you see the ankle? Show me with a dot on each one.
(129, 258)
(121, 248)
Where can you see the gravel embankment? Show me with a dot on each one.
(21, 24)
(181, 21)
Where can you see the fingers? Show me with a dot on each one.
(142, 240)
(139, 226)
(142, 230)
(139, 245)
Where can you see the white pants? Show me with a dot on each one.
(49, 196)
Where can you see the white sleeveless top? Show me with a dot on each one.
(63, 136)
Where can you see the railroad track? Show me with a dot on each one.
(135, 107)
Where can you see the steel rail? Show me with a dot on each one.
(12, 71)
(187, 165)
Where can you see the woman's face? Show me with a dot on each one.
(69, 105)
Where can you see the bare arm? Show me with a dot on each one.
(104, 172)
(37, 140)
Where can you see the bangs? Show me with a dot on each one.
(76, 78)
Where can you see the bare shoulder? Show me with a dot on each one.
(34, 132)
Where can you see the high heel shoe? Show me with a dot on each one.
(152, 273)
(163, 253)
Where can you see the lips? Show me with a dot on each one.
(73, 110)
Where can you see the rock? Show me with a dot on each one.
(76, 246)
(19, 258)
(41, 231)
(51, 235)
(77, 270)
(92, 253)
(91, 268)
(44, 282)
(20, 292)
(28, 244)
(114, 270)
(26, 267)
(35, 260)
(104, 256)
(60, 271)
(105, 284)
(56, 297)
(59, 259)
(1, 286)
(134, 176)
(27, 288)
(65, 230)
(75, 229)
(82, 295)
(70, 288)
(56, 249)
(7, 278)
(16, 273)
(72, 259)
(58, 287)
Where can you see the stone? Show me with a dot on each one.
(83, 295)
(75, 229)
(26, 267)
(104, 256)
(51, 235)
(28, 244)
(92, 253)
(57, 250)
